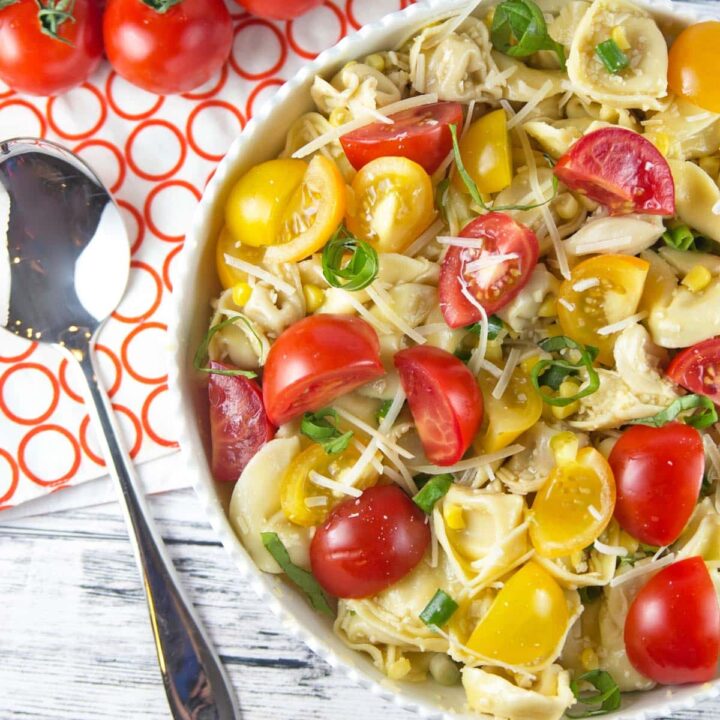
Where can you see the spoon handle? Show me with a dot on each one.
(195, 682)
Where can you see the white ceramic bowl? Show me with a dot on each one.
(196, 284)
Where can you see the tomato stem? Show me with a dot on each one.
(161, 6)
(52, 14)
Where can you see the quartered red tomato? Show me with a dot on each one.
(471, 276)
(316, 360)
(619, 169)
(697, 369)
(658, 473)
(444, 399)
(420, 134)
(239, 425)
(672, 630)
(370, 543)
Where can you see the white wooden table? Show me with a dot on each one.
(75, 642)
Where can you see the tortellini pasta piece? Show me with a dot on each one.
(697, 198)
(690, 131)
(412, 302)
(644, 80)
(522, 311)
(637, 359)
(443, 336)
(396, 268)
(484, 534)
(255, 506)
(683, 261)
(274, 310)
(523, 82)
(630, 235)
(564, 25)
(546, 699)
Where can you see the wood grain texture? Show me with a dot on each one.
(75, 641)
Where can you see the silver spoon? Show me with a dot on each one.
(63, 272)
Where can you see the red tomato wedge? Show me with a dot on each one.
(469, 277)
(420, 134)
(658, 473)
(697, 369)
(444, 399)
(239, 425)
(619, 169)
(672, 630)
(370, 543)
(316, 360)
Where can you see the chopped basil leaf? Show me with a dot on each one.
(302, 578)
(612, 57)
(590, 593)
(434, 489)
(495, 326)
(355, 272)
(519, 29)
(554, 376)
(559, 345)
(706, 417)
(422, 479)
(439, 610)
(463, 354)
(319, 429)
(607, 698)
(202, 352)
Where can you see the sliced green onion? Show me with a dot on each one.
(202, 352)
(384, 410)
(680, 238)
(705, 418)
(475, 193)
(432, 491)
(319, 429)
(612, 57)
(354, 273)
(302, 578)
(495, 327)
(519, 29)
(605, 700)
(557, 366)
(439, 610)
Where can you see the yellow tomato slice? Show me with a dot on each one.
(254, 209)
(228, 245)
(391, 203)
(312, 214)
(577, 501)
(601, 291)
(297, 485)
(519, 408)
(486, 153)
(526, 621)
(692, 69)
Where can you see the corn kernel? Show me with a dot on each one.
(399, 669)
(493, 353)
(566, 206)
(567, 389)
(314, 297)
(627, 541)
(589, 659)
(660, 140)
(339, 116)
(549, 307)
(564, 447)
(241, 293)
(697, 279)
(375, 61)
(619, 35)
(453, 515)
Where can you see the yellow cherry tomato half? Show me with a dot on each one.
(312, 214)
(577, 501)
(391, 203)
(297, 486)
(228, 245)
(600, 292)
(526, 622)
(692, 69)
(486, 153)
(519, 408)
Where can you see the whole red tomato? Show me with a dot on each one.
(672, 630)
(279, 9)
(368, 544)
(48, 54)
(167, 46)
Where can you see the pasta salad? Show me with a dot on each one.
(464, 367)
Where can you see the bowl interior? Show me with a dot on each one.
(197, 284)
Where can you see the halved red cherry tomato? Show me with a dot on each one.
(279, 9)
(494, 285)
(316, 360)
(239, 425)
(368, 544)
(619, 169)
(420, 134)
(658, 474)
(697, 369)
(444, 399)
(672, 630)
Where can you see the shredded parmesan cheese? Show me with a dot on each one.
(586, 284)
(504, 379)
(492, 368)
(453, 24)
(642, 570)
(327, 483)
(380, 326)
(474, 243)
(470, 462)
(427, 237)
(383, 441)
(621, 324)
(316, 501)
(383, 301)
(487, 261)
(468, 119)
(419, 81)
(595, 513)
(609, 245)
(567, 304)
(615, 550)
(530, 105)
(261, 274)
(431, 328)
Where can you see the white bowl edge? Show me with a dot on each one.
(297, 618)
